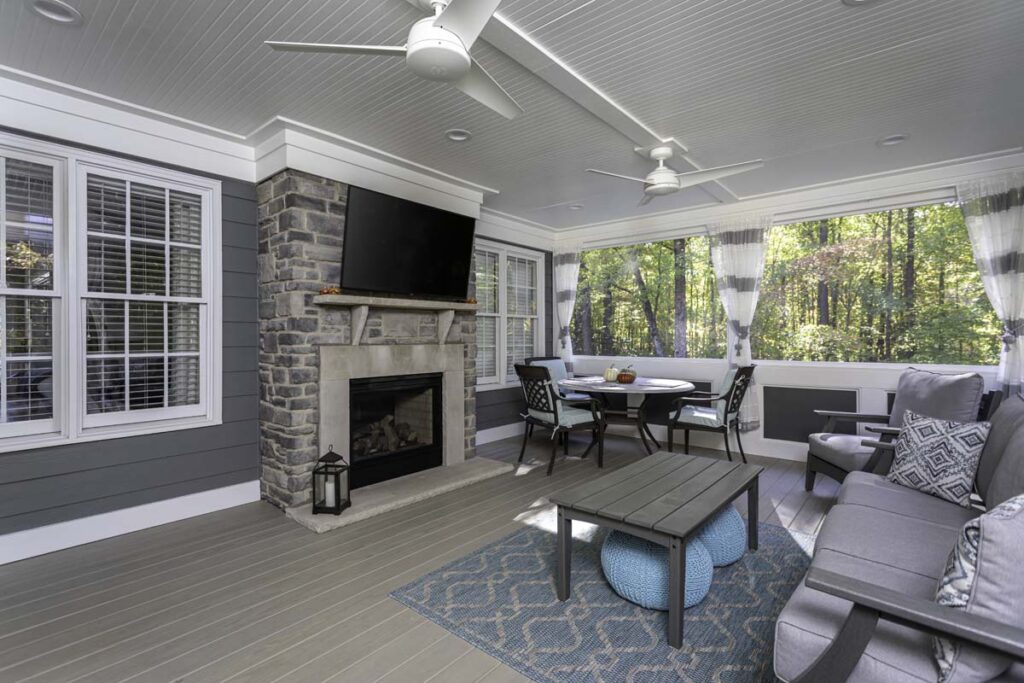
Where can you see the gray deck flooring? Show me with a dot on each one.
(247, 595)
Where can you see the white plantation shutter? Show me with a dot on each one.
(508, 317)
(145, 305)
(27, 296)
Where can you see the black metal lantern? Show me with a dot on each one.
(330, 484)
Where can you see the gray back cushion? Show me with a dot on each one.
(1008, 478)
(1005, 421)
(944, 397)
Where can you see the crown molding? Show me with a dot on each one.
(506, 228)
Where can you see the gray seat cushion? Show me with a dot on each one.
(875, 491)
(946, 397)
(1007, 419)
(701, 416)
(888, 540)
(811, 620)
(842, 450)
(890, 550)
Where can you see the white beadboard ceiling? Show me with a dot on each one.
(808, 86)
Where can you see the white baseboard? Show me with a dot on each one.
(499, 433)
(47, 539)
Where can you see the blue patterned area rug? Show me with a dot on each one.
(501, 599)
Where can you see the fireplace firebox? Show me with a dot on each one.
(395, 427)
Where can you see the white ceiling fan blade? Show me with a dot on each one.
(466, 18)
(646, 199)
(386, 50)
(616, 175)
(697, 177)
(479, 85)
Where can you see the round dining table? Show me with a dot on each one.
(642, 386)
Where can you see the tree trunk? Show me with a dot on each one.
(822, 283)
(586, 328)
(607, 317)
(679, 262)
(909, 277)
(645, 304)
(887, 328)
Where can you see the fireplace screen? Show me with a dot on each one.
(395, 427)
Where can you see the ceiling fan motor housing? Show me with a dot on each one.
(436, 53)
(661, 181)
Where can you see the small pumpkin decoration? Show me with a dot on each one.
(611, 374)
(627, 375)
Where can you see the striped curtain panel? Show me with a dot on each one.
(737, 252)
(994, 211)
(567, 275)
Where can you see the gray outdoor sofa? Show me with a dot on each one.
(866, 610)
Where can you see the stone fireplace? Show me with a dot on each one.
(312, 346)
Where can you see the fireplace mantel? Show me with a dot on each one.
(361, 305)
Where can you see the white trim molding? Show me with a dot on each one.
(485, 436)
(21, 545)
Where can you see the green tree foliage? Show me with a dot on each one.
(891, 286)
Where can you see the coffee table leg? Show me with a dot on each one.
(564, 560)
(752, 505)
(676, 591)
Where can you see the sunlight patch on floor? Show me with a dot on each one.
(545, 518)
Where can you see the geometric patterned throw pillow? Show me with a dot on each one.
(939, 457)
(983, 577)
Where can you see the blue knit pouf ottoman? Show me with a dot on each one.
(638, 570)
(725, 537)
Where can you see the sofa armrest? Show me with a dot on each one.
(887, 446)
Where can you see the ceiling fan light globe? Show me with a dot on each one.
(436, 54)
(661, 181)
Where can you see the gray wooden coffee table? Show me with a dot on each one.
(665, 498)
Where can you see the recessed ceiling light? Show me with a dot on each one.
(575, 207)
(890, 140)
(458, 135)
(56, 11)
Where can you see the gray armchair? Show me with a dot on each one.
(948, 397)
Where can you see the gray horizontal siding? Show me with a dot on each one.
(50, 485)
(789, 411)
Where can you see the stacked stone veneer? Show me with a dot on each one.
(302, 229)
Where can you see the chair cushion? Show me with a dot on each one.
(1005, 421)
(842, 450)
(699, 415)
(1008, 477)
(568, 416)
(811, 620)
(939, 457)
(875, 491)
(574, 396)
(983, 578)
(556, 368)
(946, 397)
(888, 540)
(726, 383)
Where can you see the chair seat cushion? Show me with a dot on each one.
(889, 540)
(568, 416)
(842, 450)
(875, 491)
(575, 396)
(699, 415)
(811, 620)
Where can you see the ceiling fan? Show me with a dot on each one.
(438, 49)
(664, 180)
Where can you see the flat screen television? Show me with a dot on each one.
(400, 248)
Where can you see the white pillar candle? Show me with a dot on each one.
(329, 492)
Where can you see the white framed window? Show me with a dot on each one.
(109, 291)
(510, 313)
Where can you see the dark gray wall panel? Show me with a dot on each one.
(789, 411)
(49, 485)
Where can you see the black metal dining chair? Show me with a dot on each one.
(704, 411)
(545, 409)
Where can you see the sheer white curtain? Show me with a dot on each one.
(737, 252)
(994, 211)
(567, 275)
